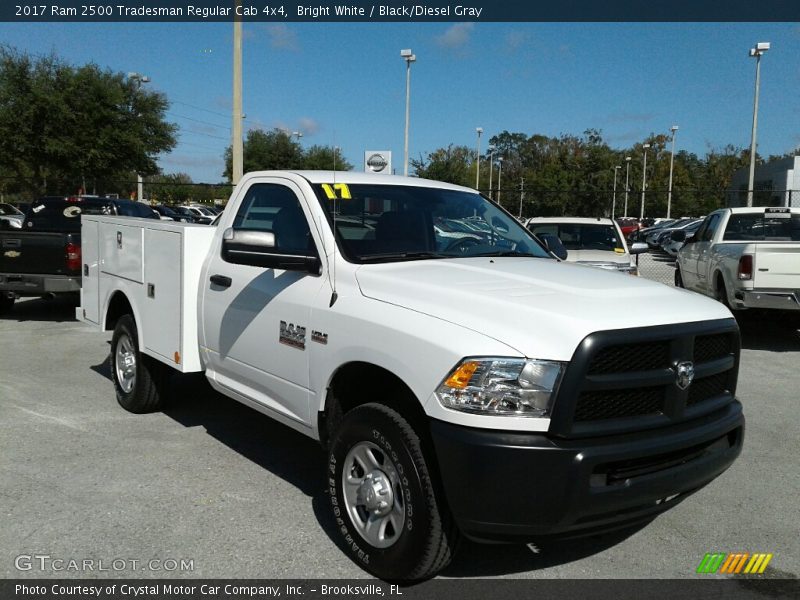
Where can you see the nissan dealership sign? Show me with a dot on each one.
(378, 161)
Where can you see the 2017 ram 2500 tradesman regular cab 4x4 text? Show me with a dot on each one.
(462, 386)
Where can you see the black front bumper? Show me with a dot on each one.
(503, 485)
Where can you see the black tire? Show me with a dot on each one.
(720, 292)
(427, 536)
(145, 390)
(6, 303)
(678, 277)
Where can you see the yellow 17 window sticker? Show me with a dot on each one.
(341, 188)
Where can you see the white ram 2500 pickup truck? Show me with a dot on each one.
(745, 258)
(462, 386)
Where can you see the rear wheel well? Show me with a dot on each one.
(358, 383)
(118, 306)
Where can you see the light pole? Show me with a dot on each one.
(614, 197)
(491, 164)
(409, 57)
(139, 79)
(499, 176)
(673, 129)
(627, 176)
(644, 177)
(756, 51)
(237, 143)
(298, 135)
(479, 131)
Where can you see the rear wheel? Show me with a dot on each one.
(382, 496)
(139, 381)
(721, 292)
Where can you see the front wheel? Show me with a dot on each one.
(139, 381)
(382, 495)
(678, 277)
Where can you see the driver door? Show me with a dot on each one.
(256, 321)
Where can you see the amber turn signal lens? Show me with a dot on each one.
(462, 375)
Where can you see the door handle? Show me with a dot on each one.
(221, 280)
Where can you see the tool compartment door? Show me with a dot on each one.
(162, 315)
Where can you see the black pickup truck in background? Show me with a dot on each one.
(44, 257)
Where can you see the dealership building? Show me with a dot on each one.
(776, 183)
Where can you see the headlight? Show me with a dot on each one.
(507, 387)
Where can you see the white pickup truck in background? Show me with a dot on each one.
(462, 386)
(745, 258)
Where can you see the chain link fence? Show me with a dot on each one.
(657, 266)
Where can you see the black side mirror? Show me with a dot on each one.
(679, 235)
(257, 249)
(554, 245)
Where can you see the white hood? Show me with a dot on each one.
(539, 307)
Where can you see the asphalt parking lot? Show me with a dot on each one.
(215, 483)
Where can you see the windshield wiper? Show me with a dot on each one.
(504, 253)
(402, 256)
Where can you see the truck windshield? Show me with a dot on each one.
(576, 236)
(759, 227)
(388, 223)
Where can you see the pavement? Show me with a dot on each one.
(211, 489)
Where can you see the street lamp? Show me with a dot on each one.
(644, 177)
(479, 131)
(673, 129)
(409, 57)
(756, 51)
(491, 164)
(298, 134)
(627, 176)
(139, 79)
(499, 176)
(614, 197)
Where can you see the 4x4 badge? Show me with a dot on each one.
(684, 374)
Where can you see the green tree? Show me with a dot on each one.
(264, 150)
(322, 158)
(63, 127)
(451, 165)
(172, 188)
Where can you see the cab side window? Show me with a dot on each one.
(275, 208)
(709, 228)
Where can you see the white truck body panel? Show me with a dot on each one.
(150, 261)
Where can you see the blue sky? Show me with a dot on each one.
(344, 84)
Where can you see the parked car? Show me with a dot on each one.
(199, 215)
(745, 258)
(656, 237)
(10, 216)
(628, 225)
(639, 235)
(169, 214)
(672, 246)
(44, 257)
(594, 242)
